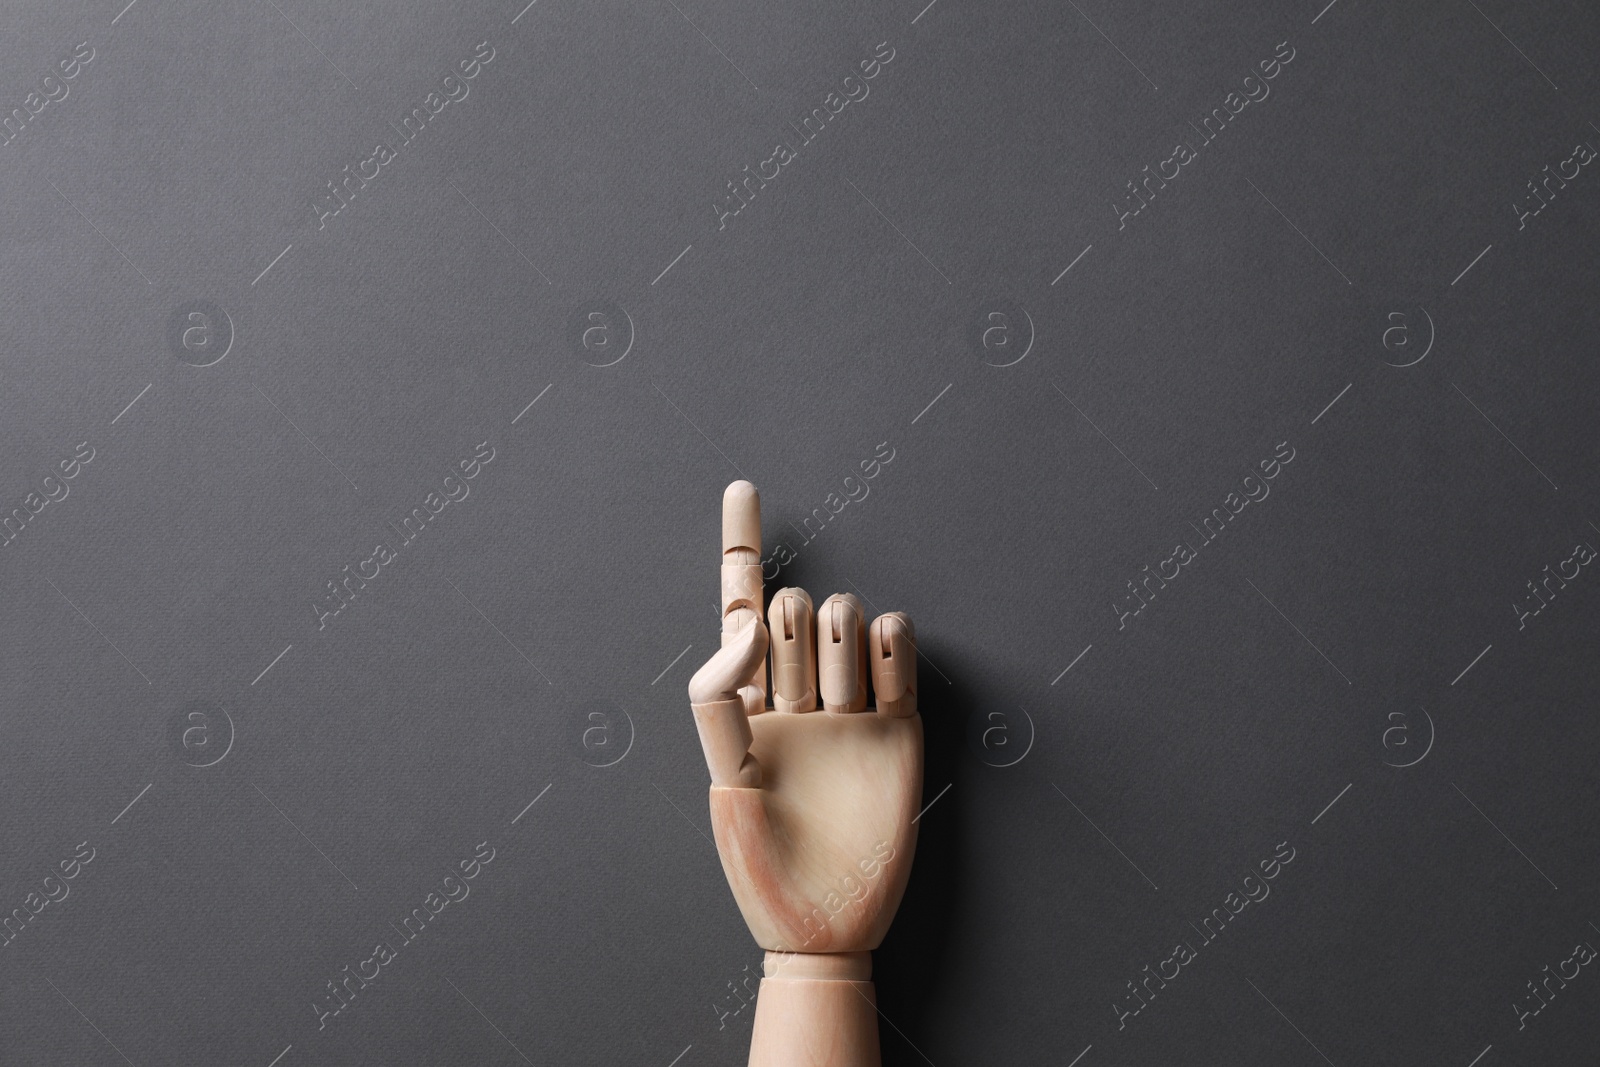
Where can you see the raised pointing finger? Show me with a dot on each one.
(741, 577)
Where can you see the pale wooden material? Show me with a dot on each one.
(892, 649)
(816, 1014)
(811, 809)
(793, 634)
(741, 576)
(842, 654)
(725, 737)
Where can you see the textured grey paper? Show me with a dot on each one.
(991, 346)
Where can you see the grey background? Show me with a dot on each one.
(1092, 814)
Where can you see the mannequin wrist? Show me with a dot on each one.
(816, 1009)
(818, 966)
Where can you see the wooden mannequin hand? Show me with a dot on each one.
(811, 806)
(817, 848)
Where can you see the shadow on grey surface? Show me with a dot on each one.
(911, 963)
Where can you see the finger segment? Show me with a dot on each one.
(842, 654)
(719, 709)
(892, 649)
(794, 651)
(741, 576)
